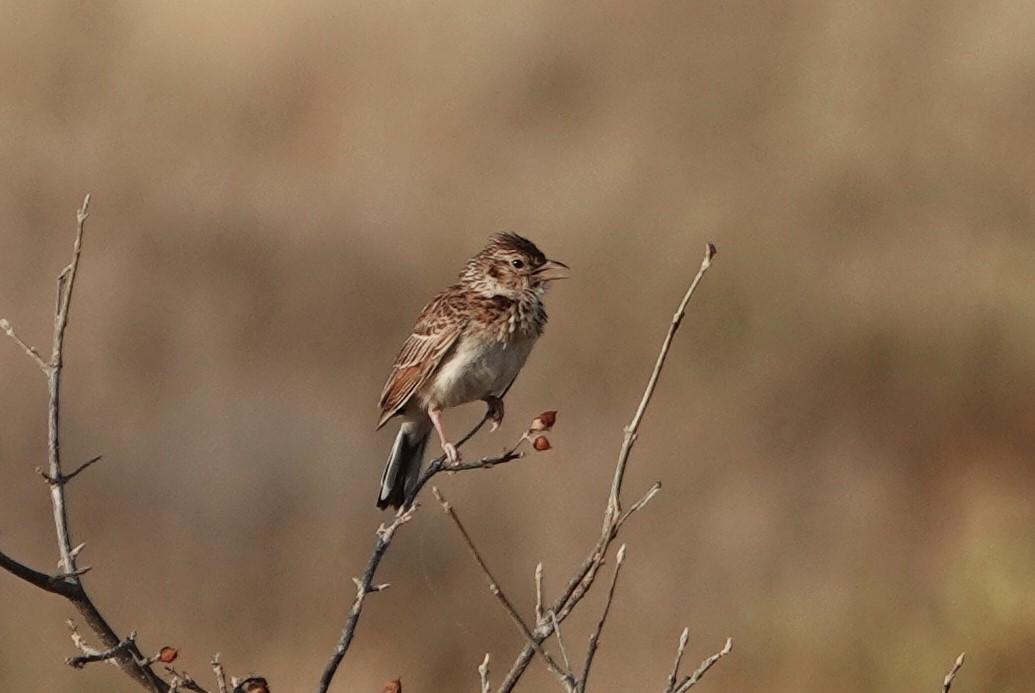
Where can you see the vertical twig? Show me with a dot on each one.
(951, 676)
(66, 284)
(614, 506)
(594, 639)
(684, 638)
(220, 673)
(483, 674)
(69, 582)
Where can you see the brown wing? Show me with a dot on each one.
(437, 329)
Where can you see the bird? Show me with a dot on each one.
(469, 343)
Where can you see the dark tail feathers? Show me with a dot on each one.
(403, 466)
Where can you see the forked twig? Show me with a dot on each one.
(585, 575)
(691, 680)
(68, 582)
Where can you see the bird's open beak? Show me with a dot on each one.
(551, 270)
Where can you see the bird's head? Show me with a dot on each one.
(510, 265)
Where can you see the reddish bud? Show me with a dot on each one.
(395, 686)
(545, 421)
(541, 443)
(167, 654)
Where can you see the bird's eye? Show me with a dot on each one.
(517, 264)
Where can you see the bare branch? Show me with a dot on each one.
(68, 582)
(684, 638)
(594, 639)
(58, 583)
(690, 681)
(74, 473)
(364, 586)
(634, 425)
(66, 285)
(384, 540)
(439, 464)
(951, 676)
(560, 641)
(585, 575)
(30, 350)
(92, 655)
(640, 504)
(539, 595)
(483, 674)
(183, 680)
(217, 669)
(566, 677)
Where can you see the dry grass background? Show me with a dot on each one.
(845, 431)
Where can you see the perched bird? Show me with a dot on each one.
(469, 343)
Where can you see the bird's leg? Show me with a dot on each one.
(452, 454)
(495, 410)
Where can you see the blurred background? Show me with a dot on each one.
(843, 433)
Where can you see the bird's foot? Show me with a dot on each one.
(452, 454)
(495, 411)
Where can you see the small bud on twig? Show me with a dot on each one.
(541, 443)
(544, 422)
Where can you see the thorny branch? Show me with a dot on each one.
(68, 582)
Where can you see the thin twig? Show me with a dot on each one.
(75, 472)
(384, 540)
(634, 425)
(691, 680)
(30, 350)
(68, 582)
(217, 669)
(439, 465)
(539, 594)
(483, 674)
(594, 639)
(364, 586)
(92, 654)
(951, 676)
(640, 504)
(560, 641)
(183, 680)
(566, 677)
(684, 638)
(585, 575)
(79, 661)
(66, 285)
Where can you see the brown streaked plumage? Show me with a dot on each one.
(469, 343)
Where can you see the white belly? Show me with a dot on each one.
(476, 369)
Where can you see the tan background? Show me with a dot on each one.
(844, 432)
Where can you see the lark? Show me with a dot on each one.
(469, 343)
